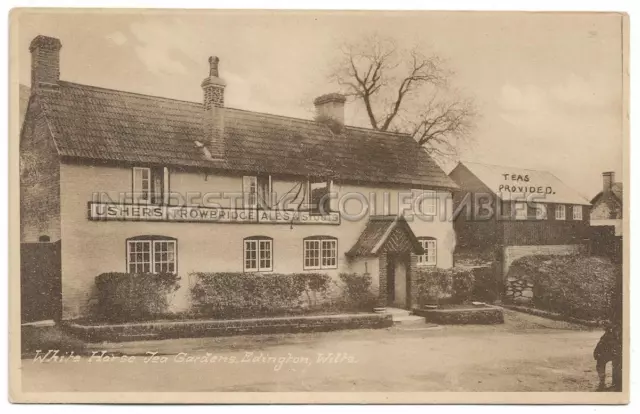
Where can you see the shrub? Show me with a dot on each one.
(461, 285)
(134, 296)
(357, 291)
(576, 286)
(485, 285)
(229, 295)
(436, 286)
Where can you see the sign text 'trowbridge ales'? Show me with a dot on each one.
(138, 212)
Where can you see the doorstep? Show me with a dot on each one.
(211, 328)
(403, 317)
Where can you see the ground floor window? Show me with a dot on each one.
(320, 252)
(429, 257)
(258, 254)
(151, 254)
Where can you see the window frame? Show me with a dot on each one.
(423, 259)
(151, 240)
(141, 195)
(541, 207)
(575, 208)
(560, 208)
(434, 201)
(524, 211)
(258, 240)
(157, 188)
(321, 240)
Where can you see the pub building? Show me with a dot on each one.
(125, 182)
(506, 213)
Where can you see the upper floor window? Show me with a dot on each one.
(577, 212)
(150, 185)
(256, 191)
(520, 209)
(429, 257)
(427, 202)
(258, 254)
(320, 252)
(560, 212)
(151, 254)
(318, 200)
(541, 211)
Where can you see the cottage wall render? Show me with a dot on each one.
(94, 247)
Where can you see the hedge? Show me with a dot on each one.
(438, 286)
(357, 291)
(577, 286)
(230, 295)
(124, 297)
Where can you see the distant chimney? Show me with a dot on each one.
(213, 89)
(330, 107)
(45, 62)
(608, 178)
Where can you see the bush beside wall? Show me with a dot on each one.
(231, 295)
(576, 286)
(444, 286)
(133, 296)
(357, 291)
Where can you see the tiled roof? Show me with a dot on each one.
(97, 124)
(493, 176)
(377, 232)
(616, 189)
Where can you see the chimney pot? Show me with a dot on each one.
(45, 62)
(330, 107)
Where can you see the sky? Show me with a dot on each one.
(548, 86)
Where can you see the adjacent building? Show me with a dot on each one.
(508, 213)
(606, 207)
(127, 182)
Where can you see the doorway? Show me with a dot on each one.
(398, 281)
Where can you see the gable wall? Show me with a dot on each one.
(39, 179)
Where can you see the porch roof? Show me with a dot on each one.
(376, 236)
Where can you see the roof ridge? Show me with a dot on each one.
(74, 84)
(259, 113)
(505, 166)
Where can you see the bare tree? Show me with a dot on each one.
(406, 91)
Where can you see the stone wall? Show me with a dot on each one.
(518, 291)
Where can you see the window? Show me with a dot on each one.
(560, 212)
(150, 185)
(541, 211)
(429, 256)
(250, 191)
(577, 212)
(44, 239)
(258, 253)
(520, 209)
(256, 191)
(426, 202)
(151, 254)
(320, 252)
(317, 196)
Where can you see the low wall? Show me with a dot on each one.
(211, 328)
(512, 253)
(488, 315)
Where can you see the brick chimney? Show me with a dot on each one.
(330, 107)
(608, 178)
(213, 89)
(45, 62)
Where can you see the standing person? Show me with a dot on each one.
(609, 349)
